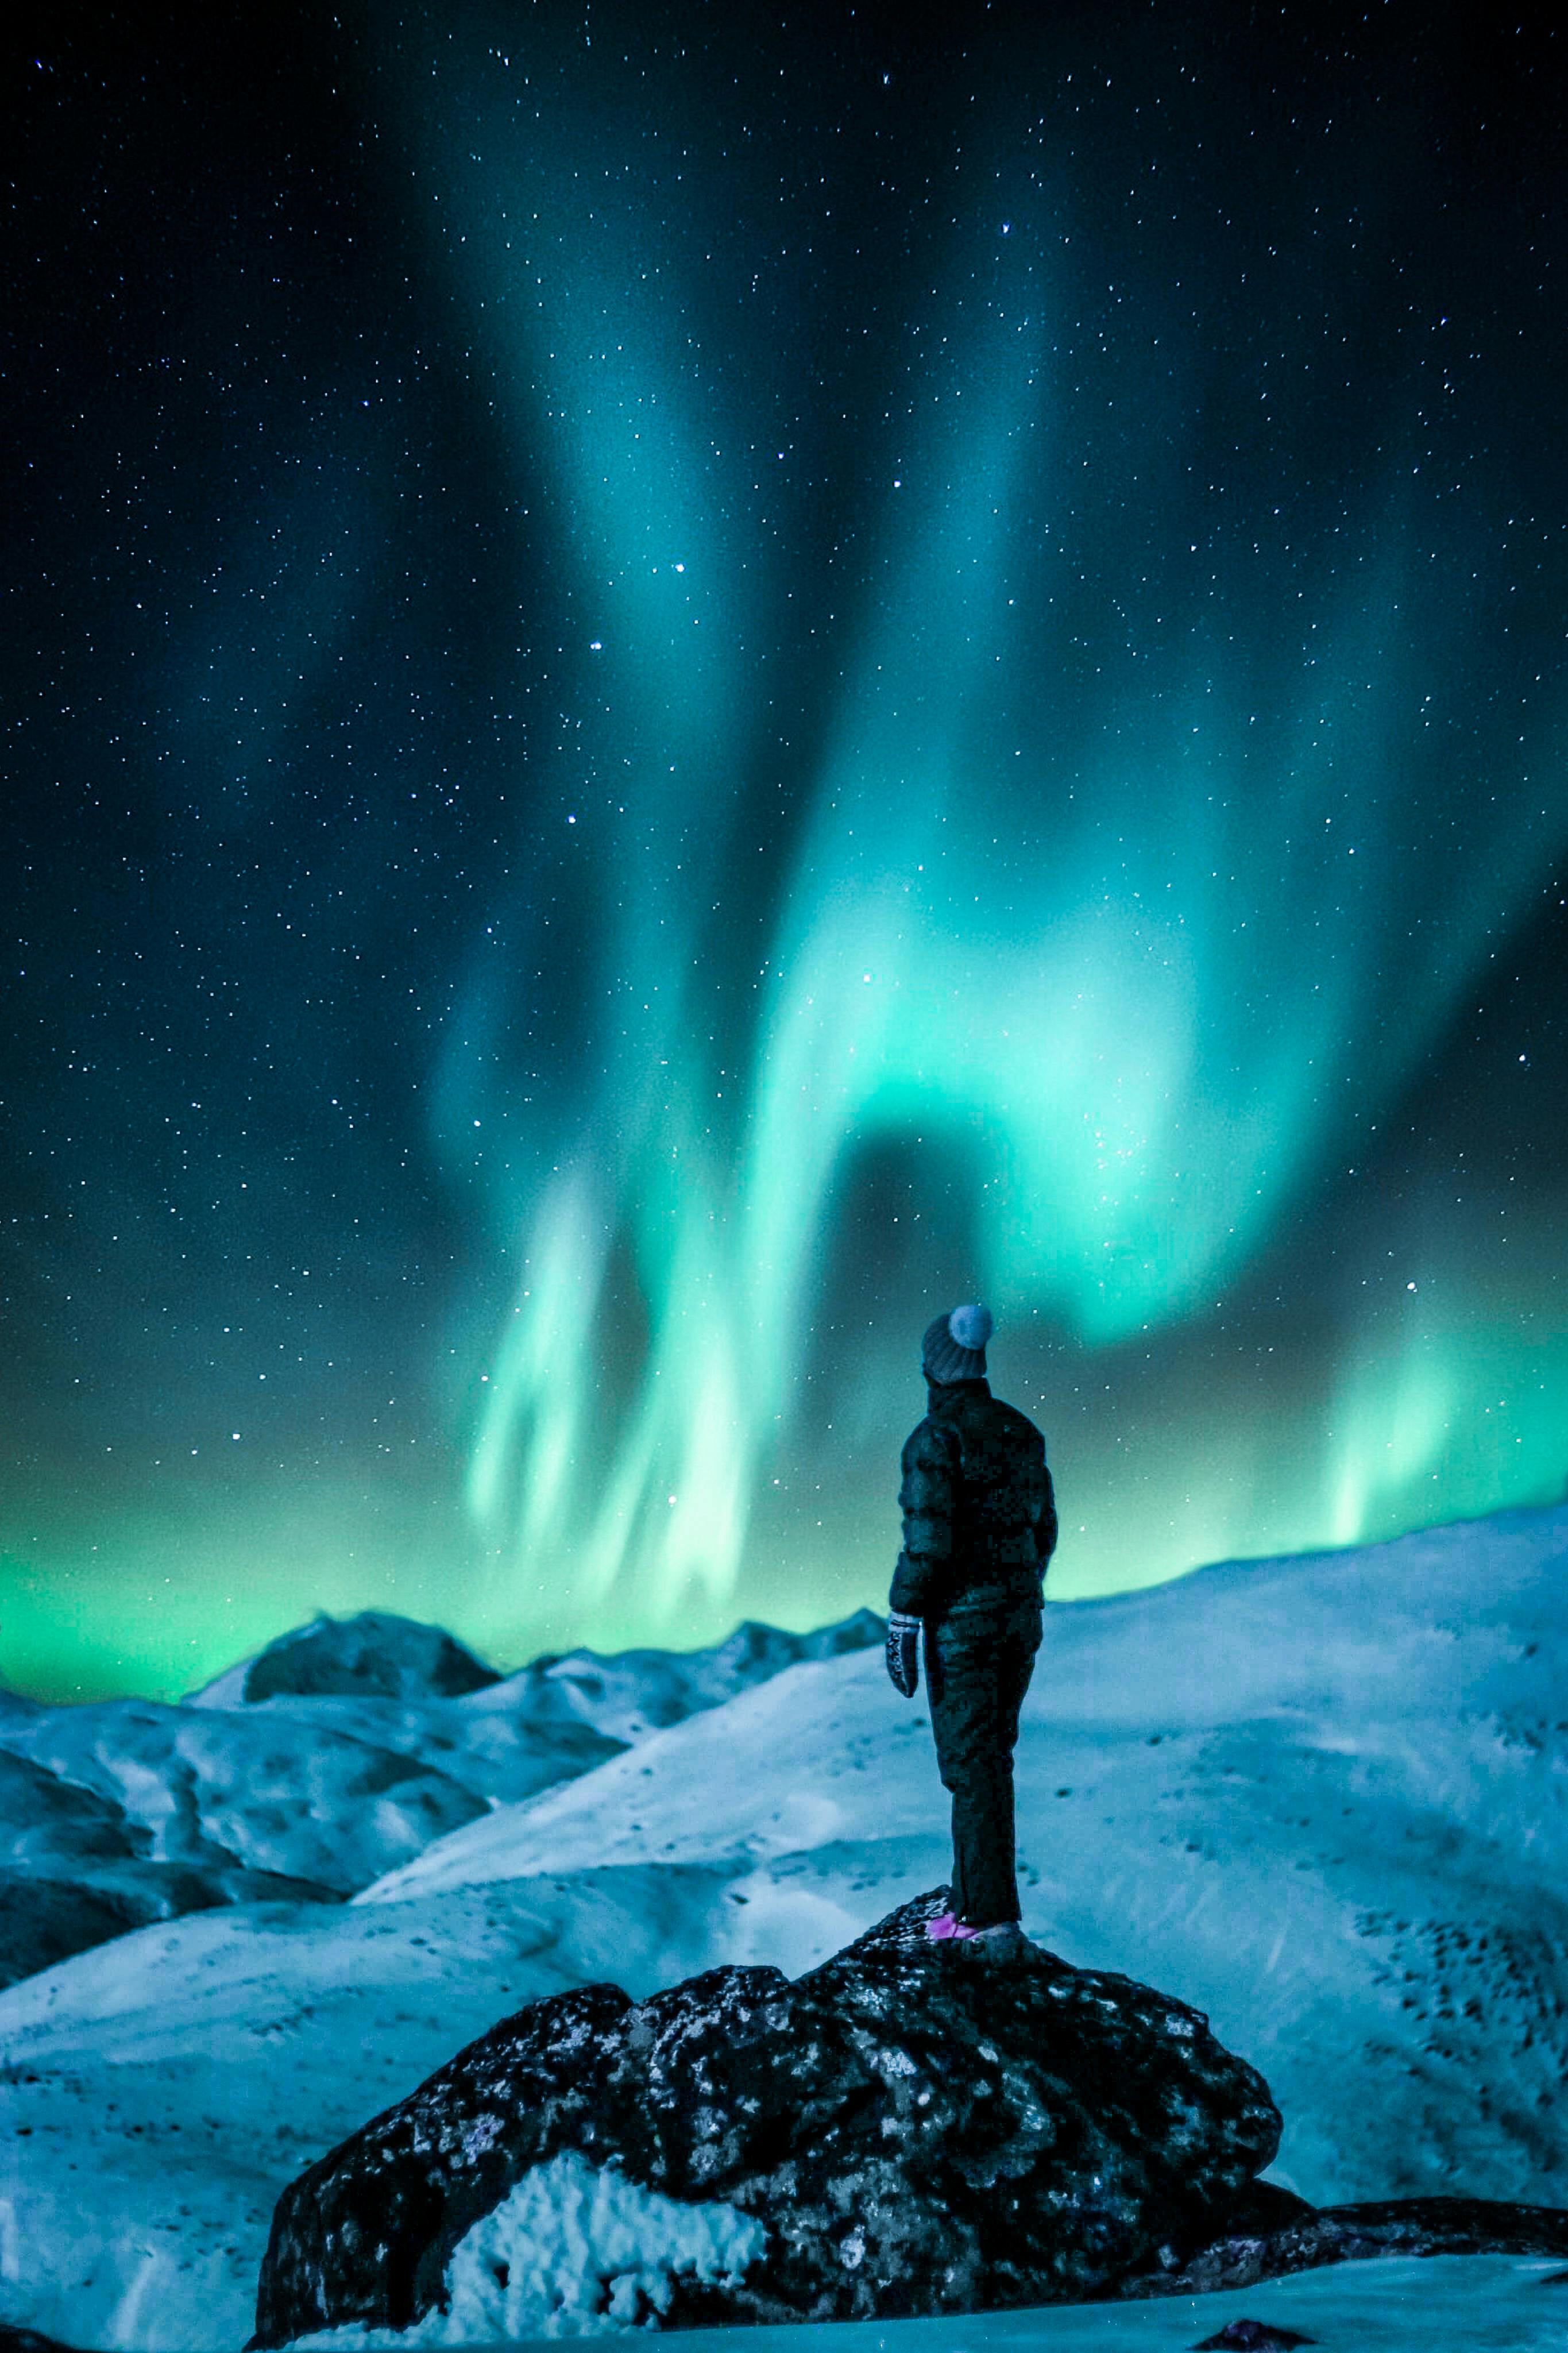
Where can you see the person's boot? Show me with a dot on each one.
(1002, 1942)
(947, 1926)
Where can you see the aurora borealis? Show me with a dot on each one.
(680, 685)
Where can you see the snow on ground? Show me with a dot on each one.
(254, 1789)
(1473, 2303)
(1321, 1799)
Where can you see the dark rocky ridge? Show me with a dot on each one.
(919, 2132)
(373, 1654)
(1313, 2236)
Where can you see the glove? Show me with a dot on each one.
(903, 1653)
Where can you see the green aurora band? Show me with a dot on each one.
(1114, 959)
(688, 684)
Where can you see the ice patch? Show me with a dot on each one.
(573, 2251)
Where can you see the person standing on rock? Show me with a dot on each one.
(979, 1524)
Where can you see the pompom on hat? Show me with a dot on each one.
(954, 1349)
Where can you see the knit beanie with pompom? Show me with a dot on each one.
(954, 1349)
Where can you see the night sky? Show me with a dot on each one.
(682, 683)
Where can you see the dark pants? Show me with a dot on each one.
(978, 1670)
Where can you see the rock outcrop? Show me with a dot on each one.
(374, 1655)
(914, 2131)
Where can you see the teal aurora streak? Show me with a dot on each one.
(689, 684)
(1129, 950)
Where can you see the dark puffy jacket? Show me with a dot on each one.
(980, 1519)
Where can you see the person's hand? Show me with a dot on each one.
(903, 1653)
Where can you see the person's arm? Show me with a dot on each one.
(1046, 1529)
(925, 1499)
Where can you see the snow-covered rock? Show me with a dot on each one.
(915, 2131)
(570, 2250)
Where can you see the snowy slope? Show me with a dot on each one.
(216, 1789)
(1479, 2304)
(1322, 1798)
(1326, 1799)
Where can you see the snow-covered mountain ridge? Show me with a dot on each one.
(338, 1752)
(1321, 1798)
